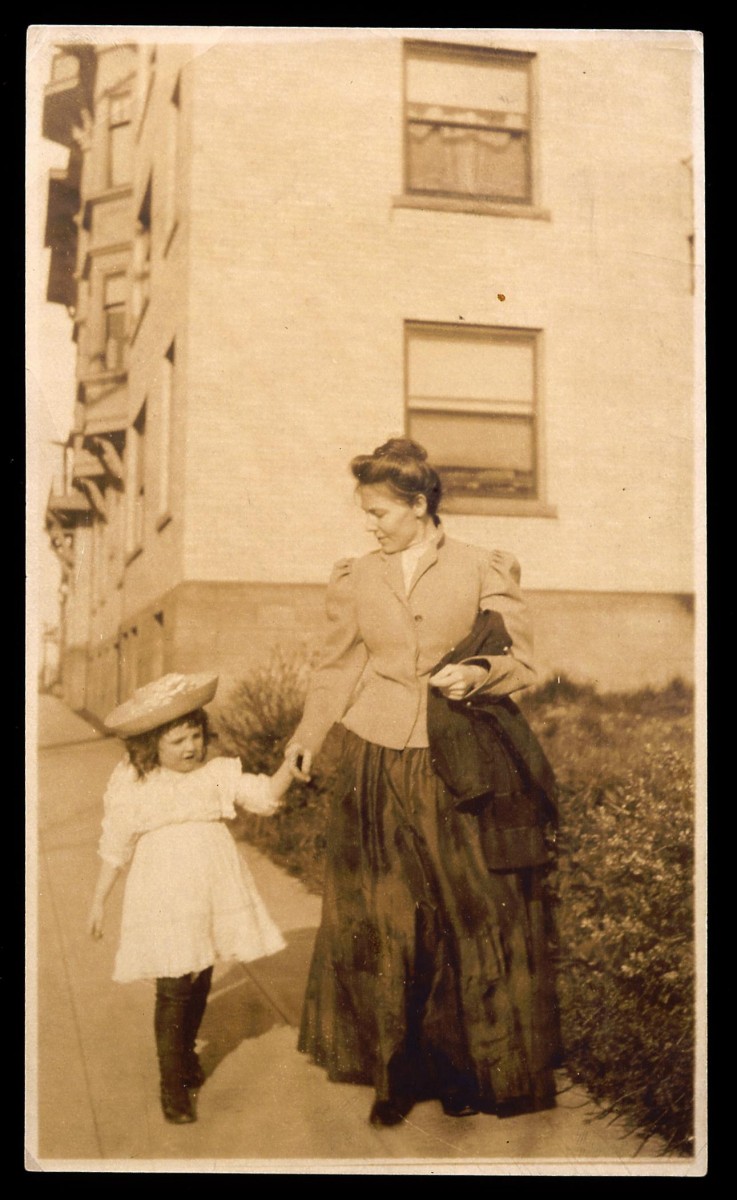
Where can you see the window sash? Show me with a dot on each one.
(167, 387)
(472, 78)
(115, 336)
(172, 157)
(136, 467)
(481, 430)
(120, 140)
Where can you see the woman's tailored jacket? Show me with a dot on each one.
(487, 755)
(383, 641)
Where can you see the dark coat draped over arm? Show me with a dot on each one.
(490, 760)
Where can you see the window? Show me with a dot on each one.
(96, 564)
(129, 665)
(172, 151)
(157, 646)
(142, 259)
(146, 76)
(64, 67)
(167, 387)
(120, 140)
(114, 298)
(467, 123)
(472, 402)
(136, 476)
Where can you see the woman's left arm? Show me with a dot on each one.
(495, 674)
(500, 591)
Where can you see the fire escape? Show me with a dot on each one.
(87, 108)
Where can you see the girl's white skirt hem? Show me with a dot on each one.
(190, 901)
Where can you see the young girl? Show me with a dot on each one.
(190, 899)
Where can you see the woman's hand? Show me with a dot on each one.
(456, 680)
(300, 762)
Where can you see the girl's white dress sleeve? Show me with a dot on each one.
(119, 832)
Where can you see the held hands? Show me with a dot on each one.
(456, 680)
(299, 761)
(288, 770)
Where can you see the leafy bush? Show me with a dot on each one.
(623, 893)
(622, 888)
(255, 723)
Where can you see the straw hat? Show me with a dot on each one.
(161, 701)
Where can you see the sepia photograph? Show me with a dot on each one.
(366, 592)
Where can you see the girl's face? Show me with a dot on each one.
(182, 748)
(394, 523)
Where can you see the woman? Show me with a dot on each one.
(429, 977)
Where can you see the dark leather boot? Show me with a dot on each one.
(172, 997)
(194, 1076)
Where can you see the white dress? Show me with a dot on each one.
(190, 899)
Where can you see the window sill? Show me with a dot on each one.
(113, 191)
(133, 554)
(163, 521)
(490, 506)
(170, 237)
(104, 375)
(487, 208)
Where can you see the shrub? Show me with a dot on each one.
(623, 894)
(622, 888)
(255, 722)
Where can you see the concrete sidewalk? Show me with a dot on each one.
(93, 1090)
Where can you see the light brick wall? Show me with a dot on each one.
(302, 276)
(617, 641)
(287, 285)
(614, 640)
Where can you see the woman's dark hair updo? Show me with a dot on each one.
(401, 465)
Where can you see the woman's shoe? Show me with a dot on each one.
(388, 1112)
(177, 1106)
(456, 1106)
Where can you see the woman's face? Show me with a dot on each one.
(394, 523)
(182, 748)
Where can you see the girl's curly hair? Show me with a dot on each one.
(143, 749)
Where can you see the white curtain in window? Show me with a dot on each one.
(478, 162)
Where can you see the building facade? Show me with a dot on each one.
(278, 253)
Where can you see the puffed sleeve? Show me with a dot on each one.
(500, 592)
(213, 793)
(340, 664)
(119, 833)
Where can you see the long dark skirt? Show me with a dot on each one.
(430, 975)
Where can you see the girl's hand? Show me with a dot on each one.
(457, 679)
(95, 920)
(299, 761)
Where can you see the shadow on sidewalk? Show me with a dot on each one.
(249, 1000)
